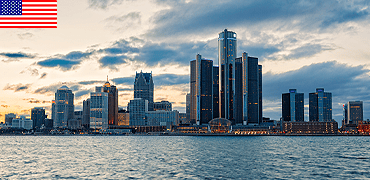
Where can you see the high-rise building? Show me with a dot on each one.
(63, 107)
(201, 90)
(9, 117)
(163, 105)
(320, 105)
(354, 112)
(252, 90)
(86, 114)
(123, 118)
(112, 101)
(293, 106)
(216, 78)
(162, 118)
(99, 110)
(240, 83)
(137, 109)
(38, 117)
(188, 99)
(144, 88)
(227, 47)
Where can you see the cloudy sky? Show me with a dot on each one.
(301, 45)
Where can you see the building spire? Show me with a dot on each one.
(107, 78)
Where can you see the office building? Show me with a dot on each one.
(99, 110)
(292, 106)
(162, 118)
(353, 112)
(144, 88)
(63, 107)
(188, 99)
(252, 90)
(38, 117)
(240, 83)
(123, 118)
(22, 123)
(201, 90)
(163, 105)
(320, 106)
(227, 47)
(137, 109)
(112, 101)
(9, 117)
(86, 114)
(216, 78)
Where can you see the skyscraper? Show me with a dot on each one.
(252, 90)
(112, 101)
(144, 88)
(137, 108)
(293, 106)
(38, 117)
(216, 107)
(201, 90)
(63, 107)
(9, 117)
(86, 114)
(227, 47)
(188, 97)
(99, 110)
(355, 112)
(320, 106)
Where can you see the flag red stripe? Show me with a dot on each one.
(39, 0)
(28, 27)
(39, 13)
(28, 22)
(39, 9)
(28, 18)
(41, 5)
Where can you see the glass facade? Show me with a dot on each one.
(63, 107)
(144, 88)
(227, 46)
(320, 105)
(99, 110)
(293, 106)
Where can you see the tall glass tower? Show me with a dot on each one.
(227, 46)
(63, 107)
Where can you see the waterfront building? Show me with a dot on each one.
(182, 118)
(112, 101)
(163, 105)
(227, 47)
(9, 117)
(38, 117)
(320, 105)
(201, 90)
(63, 107)
(216, 84)
(123, 118)
(353, 112)
(137, 109)
(240, 83)
(292, 106)
(22, 123)
(144, 88)
(86, 114)
(188, 98)
(162, 118)
(99, 110)
(313, 127)
(252, 90)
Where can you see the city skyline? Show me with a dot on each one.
(327, 50)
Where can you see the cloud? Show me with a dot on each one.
(4, 106)
(65, 62)
(33, 72)
(112, 61)
(103, 4)
(36, 101)
(17, 55)
(25, 36)
(346, 83)
(124, 22)
(170, 79)
(43, 75)
(17, 87)
(90, 82)
(184, 18)
(124, 80)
